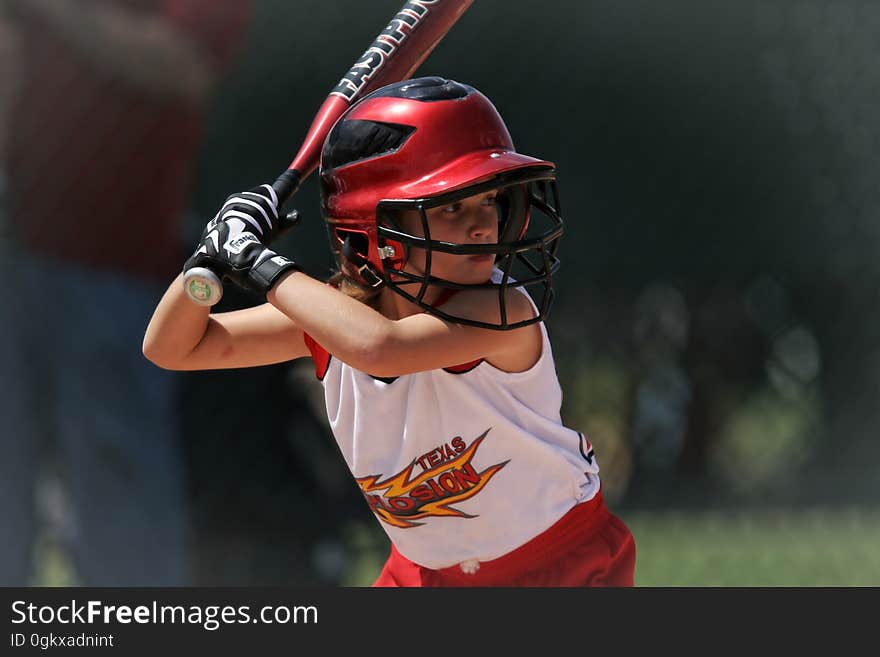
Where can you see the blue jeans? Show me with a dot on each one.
(73, 382)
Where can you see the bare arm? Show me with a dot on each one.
(140, 48)
(372, 343)
(183, 336)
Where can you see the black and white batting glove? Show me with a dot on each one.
(258, 211)
(240, 257)
(215, 234)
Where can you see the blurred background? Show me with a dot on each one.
(717, 322)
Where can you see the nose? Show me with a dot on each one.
(483, 224)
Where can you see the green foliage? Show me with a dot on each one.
(766, 440)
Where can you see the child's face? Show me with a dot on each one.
(473, 220)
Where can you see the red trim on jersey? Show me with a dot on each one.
(464, 368)
(320, 355)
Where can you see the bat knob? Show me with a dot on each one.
(202, 286)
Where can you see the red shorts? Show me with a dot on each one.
(588, 546)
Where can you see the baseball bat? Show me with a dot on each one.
(394, 55)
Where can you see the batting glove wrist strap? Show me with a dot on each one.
(268, 270)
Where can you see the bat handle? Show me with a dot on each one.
(287, 184)
(202, 285)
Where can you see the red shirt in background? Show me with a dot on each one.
(100, 173)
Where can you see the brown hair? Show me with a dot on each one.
(356, 290)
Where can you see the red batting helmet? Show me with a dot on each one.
(425, 143)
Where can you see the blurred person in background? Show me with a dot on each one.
(103, 135)
(9, 79)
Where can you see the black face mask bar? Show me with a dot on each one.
(521, 261)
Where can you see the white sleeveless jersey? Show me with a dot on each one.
(459, 464)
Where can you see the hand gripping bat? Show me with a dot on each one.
(394, 55)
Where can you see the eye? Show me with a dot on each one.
(452, 208)
(490, 200)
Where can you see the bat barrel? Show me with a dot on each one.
(395, 54)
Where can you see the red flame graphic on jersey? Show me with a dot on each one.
(431, 493)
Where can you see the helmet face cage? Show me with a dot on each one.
(530, 225)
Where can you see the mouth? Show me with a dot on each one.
(482, 258)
